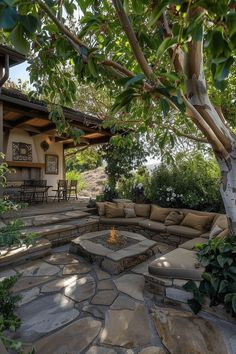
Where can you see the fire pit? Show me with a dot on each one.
(114, 251)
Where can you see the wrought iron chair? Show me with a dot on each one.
(72, 189)
(61, 191)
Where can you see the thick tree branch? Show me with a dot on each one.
(138, 53)
(197, 118)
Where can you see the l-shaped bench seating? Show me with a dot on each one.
(168, 273)
(181, 263)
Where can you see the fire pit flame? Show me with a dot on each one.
(113, 237)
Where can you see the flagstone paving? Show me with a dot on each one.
(70, 306)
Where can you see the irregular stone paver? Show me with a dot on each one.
(96, 311)
(6, 274)
(142, 267)
(107, 284)
(127, 328)
(132, 285)
(80, 268)
(153, 350)
(123, 303)
(29, 295)
(38, 268)
(101, 350)
(61, 258)
(182, 332)
(81, 289)
(44, 315)
(58, 284)
(101, 275)
(105, 297)
(72, 339)
(29, 282)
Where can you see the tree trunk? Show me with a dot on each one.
(228, 189)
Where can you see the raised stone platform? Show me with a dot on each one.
(113, 261)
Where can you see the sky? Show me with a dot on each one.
(19, 72)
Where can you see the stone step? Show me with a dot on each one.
(46, 209)
(15, 255)
(64, 232)
(48, 219)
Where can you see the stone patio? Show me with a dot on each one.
(70, 306)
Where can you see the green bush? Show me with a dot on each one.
(129, 187)
(219, 278)
(192, 182)
(74, 175)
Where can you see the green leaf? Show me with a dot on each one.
(194, 305)
(18, 40)
(166, 44)
(126, 6)
(134, 80)
(190, 286)
(29, 22)
(137, 6)
(92, 67)
(231, 23)
(157, 12)
(234, 303)
(8, 18)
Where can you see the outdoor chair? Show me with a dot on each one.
(61, 191)
(72, 189)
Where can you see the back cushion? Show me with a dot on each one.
(174, 218)
(201, 223)
(159, 214)
(129, 213)
(114, 211)
(142, 210)
(125, 205)
(221, 221)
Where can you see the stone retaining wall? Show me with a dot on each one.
(170, 292)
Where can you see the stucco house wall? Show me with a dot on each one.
(38, 154)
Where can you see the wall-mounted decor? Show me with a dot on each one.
(51, 164)
(21, 151)
(44, 145)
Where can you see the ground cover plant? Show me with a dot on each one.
(218, 282)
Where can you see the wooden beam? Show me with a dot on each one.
(29, 113)
(24, 164)
(17, 123)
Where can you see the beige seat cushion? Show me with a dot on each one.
(159, 214)
(174, 218)
(185, 231)
(198, 222)
(129, 213)
(189, 245)
(205, 235)
(153, 225)
(114, 211)
(179, 264)
(120, 221)
(142, 210)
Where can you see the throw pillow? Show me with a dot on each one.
(129, 213)
(215, 231)
(198, 222)
(159, 214)
(114, 211)
(224, 233)
(174, 218)
(125, 205)
(101, 207)
(142, 210)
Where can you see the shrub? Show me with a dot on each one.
(8, 318)
(219, 279)
(136, 186)
(74, 175)
(192, 182)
